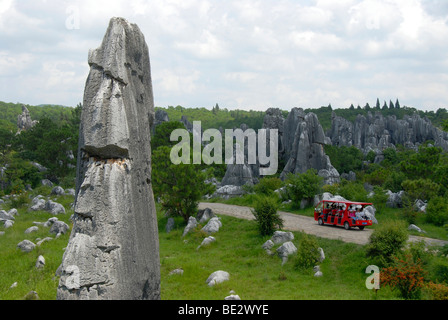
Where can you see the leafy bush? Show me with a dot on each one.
(386, 241)
(265, 212)
(179, 187)
(307, 253)
(440, 271)
(423, 189)
(353, 191)
(405, 275)
(267, 185)
(303, 186)
(437, 211)
(437, 291)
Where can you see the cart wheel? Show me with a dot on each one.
(361, 227)
(346, 225)
(320, 222)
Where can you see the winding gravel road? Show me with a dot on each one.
(294, 222)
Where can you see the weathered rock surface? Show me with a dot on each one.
(217, 277)
(191, 224)
(212, 226)
(24, 121)
(26, 246)
(304, 141)
(280, 237)
(113, 251)
(376, 132)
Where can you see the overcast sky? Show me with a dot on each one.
(242, 54)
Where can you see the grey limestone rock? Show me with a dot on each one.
(26, 246)
(285, 250)
(24, 121)
(374, 132)
(54, 207)
(217, 277)
(169, 225)
(59, 227)
(280, 237)
(40, 263)
(191, 224)
(212, 226)
(31, 229)
(113, 251)
(205, 215)
(59, 191)
(304, 141)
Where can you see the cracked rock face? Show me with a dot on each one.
(113, 252)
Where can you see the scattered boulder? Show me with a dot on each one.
(37, 204)
(40, 263)
(8, 224)
(39, 243)
(280, 237)
(178, 271)
(420, 206)
(70, 192)
(46, 182)
(285, 250)
(50, 222)
(31, 229)
(395, 200)
(232, 297)
(205, 215)
(206, 242)
(321, 255)
(58, 191)
(54, 208)
(13, 212)
(26, 246)
(413, 227)
(212, 226)
(192, 223)
(169, 225)
(6, 215)
(59, 227)
(217, 277)
(229, 191)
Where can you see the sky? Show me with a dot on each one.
(241, 54)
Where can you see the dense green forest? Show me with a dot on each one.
(52, 143)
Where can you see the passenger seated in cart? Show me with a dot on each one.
(352, 213)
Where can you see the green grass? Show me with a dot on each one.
(253, 274)
(17, 266)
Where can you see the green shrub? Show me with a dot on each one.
(267, 185)
(303, 186)
(437, 211)
(265, 212)
(307, 253)
(353, 191)
(386, 241)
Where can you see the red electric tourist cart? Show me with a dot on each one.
(342, 213)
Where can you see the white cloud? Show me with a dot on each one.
(246, 53)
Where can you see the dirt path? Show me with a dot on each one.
(293, 222)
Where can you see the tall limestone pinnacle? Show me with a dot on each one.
(113, 251)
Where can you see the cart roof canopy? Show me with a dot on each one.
(347, 202)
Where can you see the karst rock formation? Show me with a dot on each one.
(113, 251)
